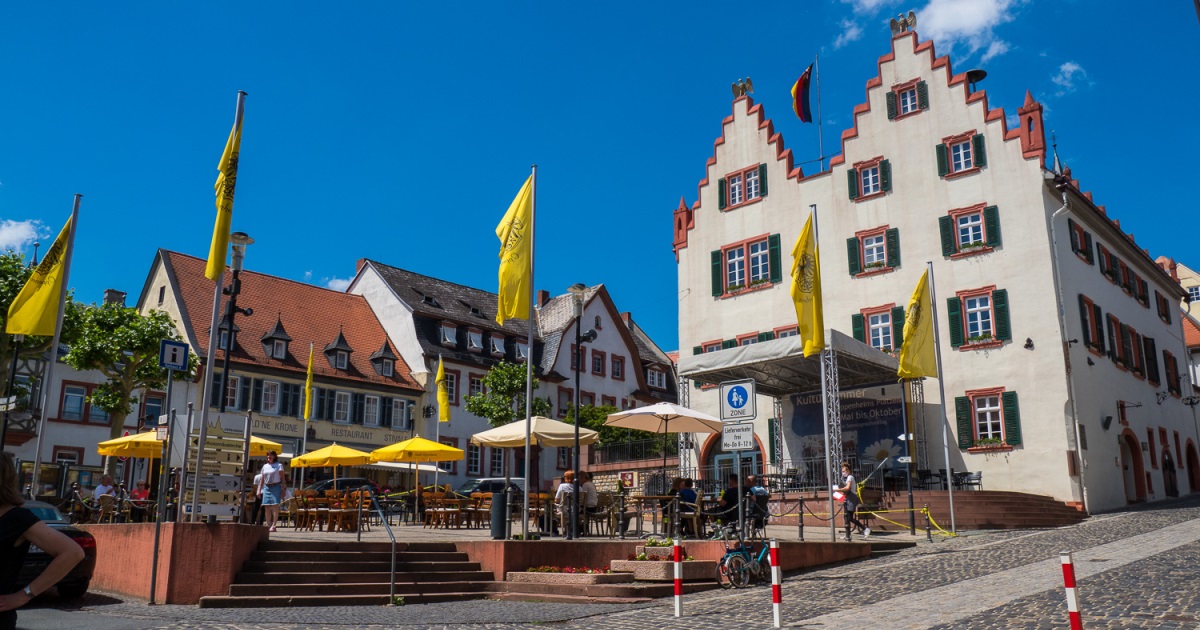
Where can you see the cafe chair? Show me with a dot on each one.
(972, 481)
(106, 509)
(925, 479)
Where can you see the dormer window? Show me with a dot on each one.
(387, 367)
(280, 349)
(656, 378)
(475, 340)
(449, 335)
(522, 350)
(275, 341)
(497, 344)
(341, 360)
(338, 353)
(224, 342)
(384, 360)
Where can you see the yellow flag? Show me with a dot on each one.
(443, 392)
(917, 357)
(806, 290)
(516, 256)
(226, 182)
(35, 309)
(308, 386)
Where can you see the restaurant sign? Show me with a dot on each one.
(326, 431)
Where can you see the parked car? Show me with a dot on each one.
(76, 583)
(488, 485)
(344, 483)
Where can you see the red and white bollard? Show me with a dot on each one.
(678, 579)
(776, 584)
(1069, 582)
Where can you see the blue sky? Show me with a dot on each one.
(401, 131)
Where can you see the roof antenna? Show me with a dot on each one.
(1054, 143)
(974, 77)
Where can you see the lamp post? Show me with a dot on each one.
(577, 291)
(240, 241)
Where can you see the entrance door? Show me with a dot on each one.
(724, 464)
(1131, 469)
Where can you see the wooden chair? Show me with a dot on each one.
(691, 519)
(426, 509)
(106, 508)
(600, 521)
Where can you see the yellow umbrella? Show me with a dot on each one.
(260, 446)
(332, 455)
(146, 445)
(417, 449)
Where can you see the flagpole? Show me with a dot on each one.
(62, 305)
(437, 429)
(937, 352)
(820, 123)
(306, 413)
(529, 355)
(210, 358)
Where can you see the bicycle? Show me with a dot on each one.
(740, 565)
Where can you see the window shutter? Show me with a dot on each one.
(891, 105)
(1151, 353)
(946, 224)
(358, 405)
(385, 414)
(214, 398)
(897, 327)
(318, 410)
(892, 236)
(728, 343)
(718, 282)
(1098, 317)
(966, 432)
(1074, 235)
(774, 259)
(954, 313)
(1112, 340)
(852, 180)
(858, 327)
(852, 255)
(244, 397)
(697, 350)
(330, 404)
(1085, 313)
(1087, 247)
(1000, 305)
(922, 95)
(762, 180)
(979, 152)
(1012, 419)
(943, 166)
(256, 403)
(991, 223)
(766, 336)
(721, 194)
(885, 176)
(285, 399)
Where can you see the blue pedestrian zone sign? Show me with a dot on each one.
(738, 401)
(173, 355)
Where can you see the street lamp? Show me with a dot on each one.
(1192, 401)
(240, 241)
(577, 291)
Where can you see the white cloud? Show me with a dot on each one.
(308, 276)
(1069, 74)
(969, 23)
(850, 32)
(337, 284)
(17, 235)
(867, 6)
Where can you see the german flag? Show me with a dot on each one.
(800, 96)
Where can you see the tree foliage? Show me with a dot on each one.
(593, 418)
(503, 398)
(14, 273)
(123, 345)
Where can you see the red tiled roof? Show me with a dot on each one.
(308, 313)
(1191, 331)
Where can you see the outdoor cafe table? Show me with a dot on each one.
(654, 503)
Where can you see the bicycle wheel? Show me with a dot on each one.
(739, 572)
(724, 576)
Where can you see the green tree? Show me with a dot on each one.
(123, 345)
(14, 273)
(593, 418)
(503, 398)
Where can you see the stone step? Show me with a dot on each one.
(354, 566)
(285, 601)
(352, 556)
(350, 545)
(376, 577)
(375, 588)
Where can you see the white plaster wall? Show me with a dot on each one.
(395, 317)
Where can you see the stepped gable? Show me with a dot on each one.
(782, 154)
(310, 314)
(992, 115)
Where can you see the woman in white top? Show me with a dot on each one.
(271, 487)
(564, 498)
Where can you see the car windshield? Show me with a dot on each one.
(469, 486)
(47, 513)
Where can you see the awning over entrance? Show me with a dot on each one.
(779, 368)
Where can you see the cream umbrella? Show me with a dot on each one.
(664, 417)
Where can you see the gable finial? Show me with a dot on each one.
(742, 87)
(901, 24)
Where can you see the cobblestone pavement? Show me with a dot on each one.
(1136, 569)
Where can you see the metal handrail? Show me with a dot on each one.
(387, 527)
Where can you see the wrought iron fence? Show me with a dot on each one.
(633, 450)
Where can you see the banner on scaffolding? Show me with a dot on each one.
(871, 422)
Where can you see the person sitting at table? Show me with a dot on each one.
(591, 498)
(564, 497)
(729, 500)
(687, 504)
(138, 500)
(760, 498)
(105, 487)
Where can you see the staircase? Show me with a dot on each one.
(980, 509)
(312, 573)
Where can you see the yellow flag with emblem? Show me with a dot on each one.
(443, 392)
(806, 290)
(308, 386)
(35, 310)
(917, 356)
(516, 257)
(226, 182)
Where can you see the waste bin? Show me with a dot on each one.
(498, 516)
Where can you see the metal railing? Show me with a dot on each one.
(633, 450)
(388, 528)
(803, 475)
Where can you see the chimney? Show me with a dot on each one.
(113, 296)
(358, 266)
(543, 296)
(627, 317)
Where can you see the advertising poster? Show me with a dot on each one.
(871, 424)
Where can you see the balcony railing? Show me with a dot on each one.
(634, 450)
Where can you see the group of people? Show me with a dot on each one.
(564, 497)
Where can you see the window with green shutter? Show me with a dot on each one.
(891, 105)
(922, 95)
(980, 156)
(852, 251)
(729, 343)
(885, 176)
(697, 350)
(721, 194)
(946, 225)
(1000, 308)
(966, 428)
(954, 314)
(1151, 354)
(893, 247)
(1098, 317)
(942, 163)
(858, 326)
(762, 180)
(991, 226)
(897, 327)
(775, 260)
(766, 336)
(1012, 419)
(852, 181)
(718, 278)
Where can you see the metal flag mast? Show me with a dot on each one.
(937, 352)
(529, 359)
(820, 123)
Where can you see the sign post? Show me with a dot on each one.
(172, 357)
(738, 400)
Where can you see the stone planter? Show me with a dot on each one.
(656, 571)
(660, 553)
(537, 577)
